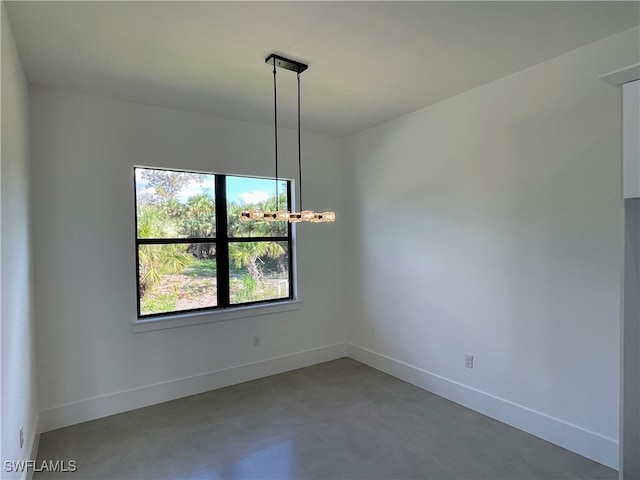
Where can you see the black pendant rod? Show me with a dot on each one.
(298, 67)
(275, 119)
(299, 148)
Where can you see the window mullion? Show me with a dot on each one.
(222, 243)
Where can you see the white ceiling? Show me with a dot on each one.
(368, 61)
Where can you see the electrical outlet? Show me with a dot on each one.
(468, 361)
(21, 437)
(256, 340)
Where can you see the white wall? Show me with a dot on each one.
(503, 241)
(489, 224)
(91, 364)
(18, 353)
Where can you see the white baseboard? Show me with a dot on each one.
(118, 402)
(572, 437)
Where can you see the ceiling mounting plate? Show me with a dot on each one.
(287, 63)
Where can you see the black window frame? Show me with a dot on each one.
(222, 240)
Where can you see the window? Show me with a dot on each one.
(193, 253)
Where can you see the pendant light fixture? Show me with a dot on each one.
(285, 215)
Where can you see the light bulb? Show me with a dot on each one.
(282, 215)
(307, 215)
(328, 216)
(256, 214)
(295, 217)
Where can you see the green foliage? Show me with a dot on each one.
(253, 254)
(257, 229)
(248, 255)
(161, 215)
(154, 223)
(194, 291)
(202, 268)
(156, 260)
(248, 288)
(197, 218)
(156, 302)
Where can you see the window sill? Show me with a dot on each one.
(197, 318)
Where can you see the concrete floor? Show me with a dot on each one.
(336, 420)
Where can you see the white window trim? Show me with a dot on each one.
(176, 320)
